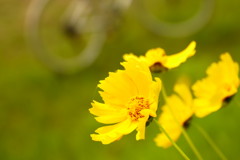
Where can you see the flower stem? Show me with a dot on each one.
(188, 139)
(210, 141)
(173, 143)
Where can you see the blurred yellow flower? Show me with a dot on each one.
(158, 61)
(220, 85)
(130, 98)
(175, 113)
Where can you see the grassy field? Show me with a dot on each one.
(44, 115)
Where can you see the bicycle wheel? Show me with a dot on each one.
(166, 23)
(84, 29)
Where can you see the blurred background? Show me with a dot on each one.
(54, 52)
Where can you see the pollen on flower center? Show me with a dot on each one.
(136, 105)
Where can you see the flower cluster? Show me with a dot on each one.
(211, 93)
(130, 96)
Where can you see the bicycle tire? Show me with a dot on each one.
(177, 30)
(56, 63)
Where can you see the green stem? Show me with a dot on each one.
(210, 141)
(173, 143)
(188, 139)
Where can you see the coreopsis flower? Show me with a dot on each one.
(130, 98)
(219, 86)
(158, 61)
(175, 114)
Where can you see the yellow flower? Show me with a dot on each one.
(220, 85)
(158, 61)
(130, 98)
(175, 113)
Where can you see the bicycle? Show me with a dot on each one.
(93, 19)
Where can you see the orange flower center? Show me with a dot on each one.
(136, 105)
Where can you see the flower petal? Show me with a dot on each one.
(140, 74)
(100, 109)
(112, 118)
(155, 90)
(155, 55)
(173, 131)
(203, 107)
(113, 87)
(111, 133)
(221, 82)
(176, 59)
(180, 109)
(142, 124)
(183, 91)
